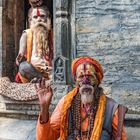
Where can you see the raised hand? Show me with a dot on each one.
(45, 94)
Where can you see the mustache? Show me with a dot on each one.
(40, 24)
(86, 88)
(46, 25)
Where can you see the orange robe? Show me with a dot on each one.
(51, 129)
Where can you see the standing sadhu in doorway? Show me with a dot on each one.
(36, 46)
(85, 113)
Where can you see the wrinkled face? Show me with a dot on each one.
(86, 74)
(87, 81)
(38, 15)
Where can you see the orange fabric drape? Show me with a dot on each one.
(51, 129)
(97, 129)
(29, 44)
(28, 53)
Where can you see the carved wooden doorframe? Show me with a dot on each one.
(12, 26)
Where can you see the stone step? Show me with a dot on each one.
(28, 109)
(132, 120)
(19, 114)
(19, 109)
(22, 106)
(9, 104)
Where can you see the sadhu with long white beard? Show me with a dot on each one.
(36, 48)
(85, 113)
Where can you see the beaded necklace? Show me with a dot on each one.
(75, 128)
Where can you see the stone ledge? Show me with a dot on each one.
(132, 117)
(10, 101)
(28, 109)
(24, 114)
(132, 120)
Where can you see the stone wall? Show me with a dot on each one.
(0, 39)
(109, 30)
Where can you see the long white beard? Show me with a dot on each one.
(87, 99)
(40, 35)
(87, 96)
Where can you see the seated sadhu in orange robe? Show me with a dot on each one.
(36, 48)
(85, 113)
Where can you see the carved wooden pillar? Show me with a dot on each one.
(62, 41)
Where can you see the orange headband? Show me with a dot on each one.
(76, 62)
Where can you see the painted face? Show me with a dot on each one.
(87, 81)
(87, 93)
(86, 74)
(38, 15)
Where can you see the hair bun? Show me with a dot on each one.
(35, 3)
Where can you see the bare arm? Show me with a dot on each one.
(47, 128)
(23, 43)
(51, 129)
(22, 47)
(45, 94)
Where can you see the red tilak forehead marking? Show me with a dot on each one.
(38, 12)
(84, 68)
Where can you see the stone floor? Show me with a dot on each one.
(133, 133)
(15, 129)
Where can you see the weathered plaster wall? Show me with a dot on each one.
(109, 30)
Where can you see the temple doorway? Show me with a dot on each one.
(14, 21)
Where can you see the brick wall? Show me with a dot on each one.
(109, 30)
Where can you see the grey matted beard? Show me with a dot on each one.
(87, 96)
(40, 34)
